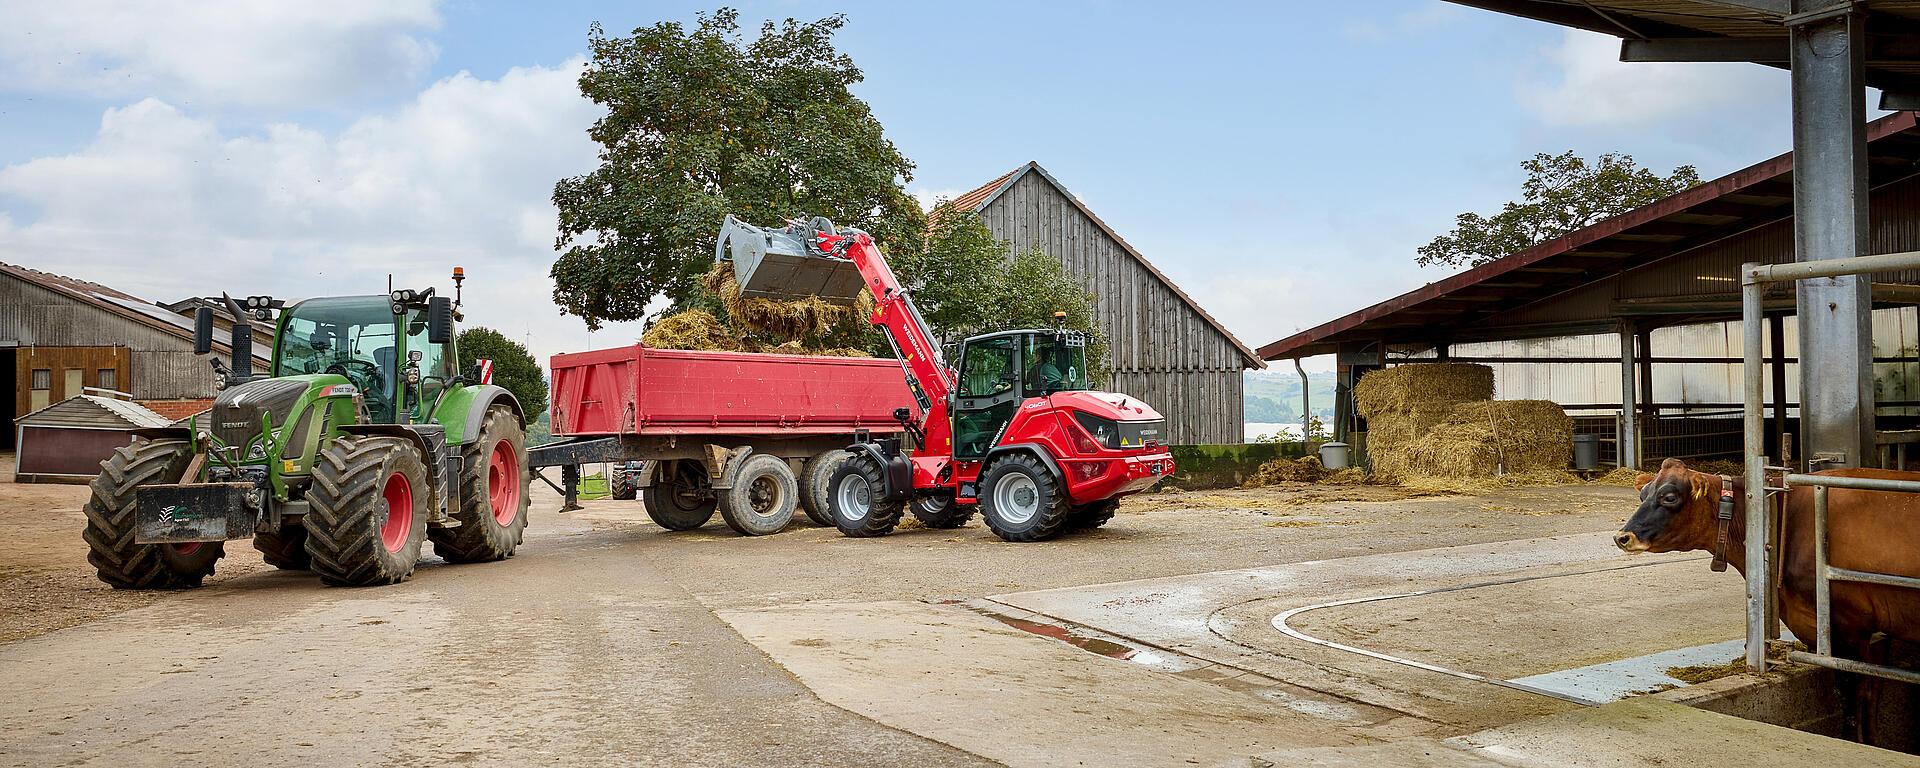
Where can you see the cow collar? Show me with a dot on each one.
(1723, 522)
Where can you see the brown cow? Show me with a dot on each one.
(1867, 531)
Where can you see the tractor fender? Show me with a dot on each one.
(475, 399)
(1045, 455)
(898, 470)
(441, 463)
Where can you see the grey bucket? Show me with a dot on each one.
(1335, 455)
(781, 263)
(1586, 452)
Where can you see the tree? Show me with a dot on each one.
(513, 367)
(701, 124)
(1563, 193)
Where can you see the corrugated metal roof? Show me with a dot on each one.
(129, 306)
(94, 411)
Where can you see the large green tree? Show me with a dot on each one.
(513, 367)
(701, 123)
(1563, 193)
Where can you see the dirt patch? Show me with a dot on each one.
(1281, 495)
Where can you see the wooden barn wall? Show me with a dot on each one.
(163, 366)
(1159, 349)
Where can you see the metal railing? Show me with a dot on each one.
(1762, 621)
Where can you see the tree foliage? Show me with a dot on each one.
(701, 123)
(513, 367)
(1563, 193)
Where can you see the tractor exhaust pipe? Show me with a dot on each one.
(241, 343)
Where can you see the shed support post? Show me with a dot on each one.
(1777, 333)
(1830, 222)
(1643, 340)
(1629, 448)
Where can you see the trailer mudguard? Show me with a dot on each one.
(898, 471)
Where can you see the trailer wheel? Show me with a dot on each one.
(122, 563)
(854, 498)
(369, 511)
(813, 484)
(1092, 515)
(493, 494)
(940, 512)
(286, 550)
(682, 499)
(1022, 500)
(763, 496)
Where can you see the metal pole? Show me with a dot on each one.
(1306, 408)
(1629, 449)
(1822, 589)
(1777, 338)
(1752, 294)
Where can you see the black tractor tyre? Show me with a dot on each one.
(286, 550)
(763, 497)
(620, 484)
(354, 535)
(1021, 500)
(120, 562)
(682, 501)
(494, 490)
(814, 477)
(940, 512)
(1093, 515)
(854, 499)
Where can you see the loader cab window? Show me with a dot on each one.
(987, 368)
(989, 392)
(1055, 363)
(349, 336)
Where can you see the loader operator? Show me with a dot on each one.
(1047, 374)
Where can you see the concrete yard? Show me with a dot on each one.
(610, 642)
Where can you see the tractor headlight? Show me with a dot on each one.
(1106, 432)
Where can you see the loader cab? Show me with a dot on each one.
(363, 339)
(998, 371)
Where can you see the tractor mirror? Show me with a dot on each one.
(203, 330)
(439, 320)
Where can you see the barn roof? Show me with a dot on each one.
(979, 198)
(126, 306)
(94, 411)
(1467, 306)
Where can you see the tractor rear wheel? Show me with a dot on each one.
(1093, 515)
(940, 512)
(681, 498)
(493, 494)
(854, 497)
(763, 496)
(368, 511)
(1022, 500)
(122, 563)
(286, 550)
(813, 484)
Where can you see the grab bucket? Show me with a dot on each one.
(783, 264)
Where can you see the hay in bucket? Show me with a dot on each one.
(1495, 437)
(1403, 403)
(692, 329)
(791, 319)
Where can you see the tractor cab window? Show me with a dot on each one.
(435, 364)
(351, 337)
(1056, 362)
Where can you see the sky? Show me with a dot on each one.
(1280, 161)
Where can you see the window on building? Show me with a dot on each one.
(106, 378)
(42, 379)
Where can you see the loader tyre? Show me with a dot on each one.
(854, 498)
(286, 550)
(120, 562)
(1021, 500)
(493, 494)
(368, 511)
(813, 484)
(763, 497)
(940, 512)
(1086, 516)
(680, 499)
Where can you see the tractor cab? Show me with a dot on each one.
(999, 371)
(383, 345)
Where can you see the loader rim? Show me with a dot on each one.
(1017, 498)
(855, 495)
(398, 493)
(503, 482)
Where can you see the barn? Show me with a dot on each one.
(1163, 347)
(61, 336)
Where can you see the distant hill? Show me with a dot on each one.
(1274, 395)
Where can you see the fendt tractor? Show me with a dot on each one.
(365, 439)
(1014, 428)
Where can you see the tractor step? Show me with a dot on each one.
(781, 264)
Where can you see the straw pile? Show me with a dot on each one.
(1303, 470)
(1402, 404)
(787, 319)
(1493, 437)
(692, 329)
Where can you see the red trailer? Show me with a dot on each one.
(751, 435)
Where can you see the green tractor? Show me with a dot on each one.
(365, 440)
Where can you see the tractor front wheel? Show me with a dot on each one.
(494, 490)
(122, 563)
(368, 511)
(1022, 500)
(855, 498)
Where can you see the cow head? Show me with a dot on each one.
(1676, 514)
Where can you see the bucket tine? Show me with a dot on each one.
(779, 264)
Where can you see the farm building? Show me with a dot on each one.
(1162, 346)
(60, 337)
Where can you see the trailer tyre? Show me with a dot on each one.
(814, 478)
(1022, 501)
(940, 512)
(763, 497)
(682, 500)
(368, 513)
(120, 562)
(854, 497)
(494, 490)
(286, 550)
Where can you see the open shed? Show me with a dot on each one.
(66, 441)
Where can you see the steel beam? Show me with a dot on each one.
(1753, 295)
(1830, 222)
(1629, 449)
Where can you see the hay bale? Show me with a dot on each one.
(692, 329)
(1492, 437)
(1404, 403)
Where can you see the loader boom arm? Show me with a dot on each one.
(896, 317)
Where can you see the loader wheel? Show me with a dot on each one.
(110, 522)
(286, 550)
(763, 496)
(813, 484)
(493, 494)
(368, 511)
(854, 498)
(681, 499)
(1022, 500)
(940, 512)
(1092, 515)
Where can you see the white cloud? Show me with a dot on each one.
(211, 52)
(1584, 83)
(164, 204)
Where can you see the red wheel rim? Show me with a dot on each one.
(503, 483)
(399, 525)
(186, 549)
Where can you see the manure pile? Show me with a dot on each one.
(1302, 470)
(791, 327)
(1439, 422)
